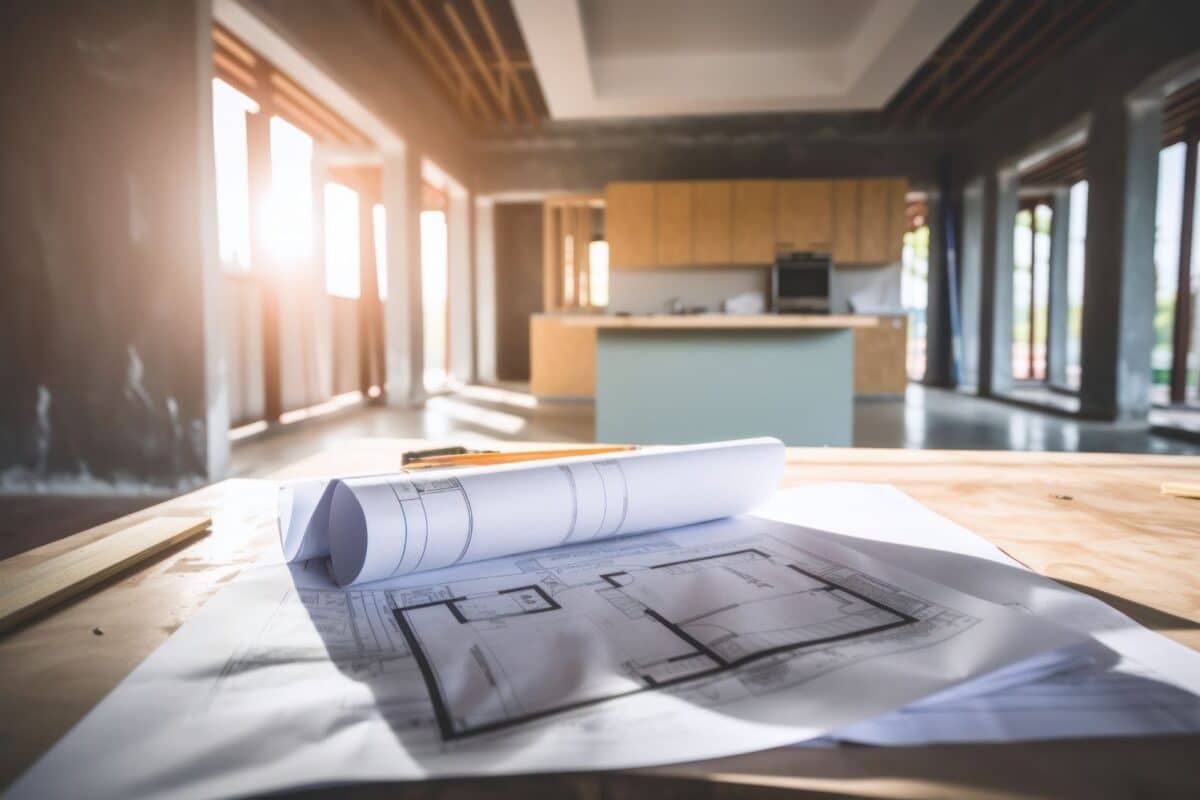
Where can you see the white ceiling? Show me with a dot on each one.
(630, 58)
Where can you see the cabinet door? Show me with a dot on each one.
(845, 222)
(897, 217)
(754, 222)
(804, 215)
(874, 223)
(673, 221)
(712, 222)
(629, 225)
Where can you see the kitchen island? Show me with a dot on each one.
(676, 379)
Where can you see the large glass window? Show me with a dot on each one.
(231, 158)
(289, 209)
(914, 295)
(341, 241)
(1076, 255)
(435, 267)
(1031, 287)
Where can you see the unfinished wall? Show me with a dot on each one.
(584, 156)
(105, 240)
(365, 55)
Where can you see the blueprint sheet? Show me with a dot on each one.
(1152, 689)
(699, 642)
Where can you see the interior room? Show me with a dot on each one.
(945, 245)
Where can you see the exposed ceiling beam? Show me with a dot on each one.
(995, 47)
(514, 80)
(959, 54)
(486, 74)
(1025, 59)
(464, 75)
(419, 44)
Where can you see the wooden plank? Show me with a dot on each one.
(630, 225)
(845, 222)
(673, 223)
(40, 588)
(712, 222)
(804, 215)
(873, 226)
(754, 222)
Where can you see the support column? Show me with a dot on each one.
(485, 291)
(939, 345)
(995, 362)
(970, 261)
(1118, 295)
(461, 299)
(402, 316)
(1059, 310)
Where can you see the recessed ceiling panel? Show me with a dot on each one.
(625, 58)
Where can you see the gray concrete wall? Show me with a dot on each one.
(584, 156)
(107, 247)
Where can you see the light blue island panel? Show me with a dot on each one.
(696, 385)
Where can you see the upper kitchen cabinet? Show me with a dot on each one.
(754, 222)
(868, 221)
(629, 224)
(673, 223)
(712, 222)
(804, 216)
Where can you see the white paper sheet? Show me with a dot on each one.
(699, 642)
(1152, 689)
(384, 526)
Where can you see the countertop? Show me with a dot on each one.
(711, 321)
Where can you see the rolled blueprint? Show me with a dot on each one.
(381, 526)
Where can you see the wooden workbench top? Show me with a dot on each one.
(717, 321)
(1096, 522)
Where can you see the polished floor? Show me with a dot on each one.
(925, 418)
(489, 416)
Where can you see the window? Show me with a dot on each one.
(233, 174)
(598, 272)
(289, 208)
(379, 229)
(1031, 290)
(914, 291)
(1076, 255)
(435, 267)
(341, 241)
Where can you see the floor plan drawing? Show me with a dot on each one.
(725, 637)
(635, 615)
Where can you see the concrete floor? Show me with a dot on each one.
(926, 418)
(483, 416)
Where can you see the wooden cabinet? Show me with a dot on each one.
(753, 222)
(712, 222)
(845, 222)
(629, 224)
(673, 223)
(868, 221)
(804, 216)
(681, 223)
(879, 357)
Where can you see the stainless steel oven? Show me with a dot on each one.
(800, 283)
